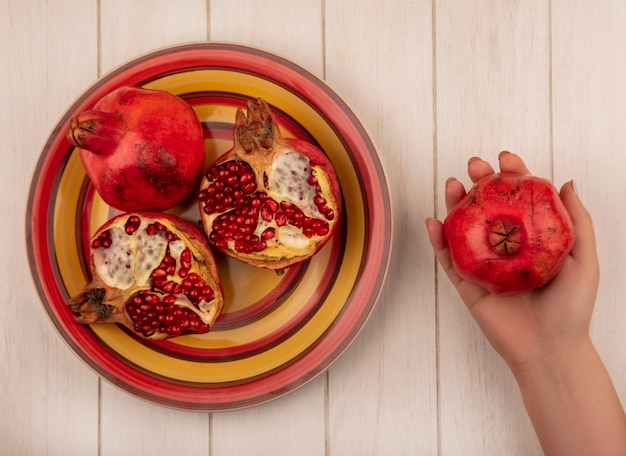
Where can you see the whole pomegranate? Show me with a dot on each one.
(153, 273)
(142, 149)
(510, 233)
(269, 201)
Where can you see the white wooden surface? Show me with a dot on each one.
(434, 82)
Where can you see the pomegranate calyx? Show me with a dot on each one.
(257, 131)
(505, 236)
(98, 132)
(96, 303)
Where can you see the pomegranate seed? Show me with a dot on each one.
(159, 273)
(247, 177)
(280, 218)
(208, 293)
(266, 213)
(268, 233)
(187, 284)
(132, 224)
(158, 283)
(194, 276)
(168, 286)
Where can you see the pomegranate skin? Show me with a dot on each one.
(142, 149)
(511, 233)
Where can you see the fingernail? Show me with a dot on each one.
(503, 153)
(472, 159)
(450, 179)
(574, 188)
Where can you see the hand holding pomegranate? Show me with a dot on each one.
(543, 333)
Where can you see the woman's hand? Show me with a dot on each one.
(529, 326)
(544, 335)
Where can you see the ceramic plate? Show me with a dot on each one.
(277, 331)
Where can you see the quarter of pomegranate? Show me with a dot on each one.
(142, 149)
(270, 201)
(153, 273)
(510, 233)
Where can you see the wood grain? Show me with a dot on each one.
(434, 82)
(49, 398)
(382, 393)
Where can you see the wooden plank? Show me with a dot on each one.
(290, 29)
(130, 425)
(589, 95)
(49, 398)
(295, 423)
(382, 392)
(292, 424)
(132, 28)
(493, 94)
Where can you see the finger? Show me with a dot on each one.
(478, 168)
(512, 163)
(469, 293)
(440, 247)
(584, 249)
(454, 193)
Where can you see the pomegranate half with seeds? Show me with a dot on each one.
(270, 201)
(153, 273)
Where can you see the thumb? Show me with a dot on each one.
(584, 249)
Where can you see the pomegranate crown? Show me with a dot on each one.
(257, 130)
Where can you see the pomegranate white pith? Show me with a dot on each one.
(153, 273)
(270, 201)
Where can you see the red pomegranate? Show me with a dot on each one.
(270, 201)
(153, 273)
(510, 233)
(142, 149)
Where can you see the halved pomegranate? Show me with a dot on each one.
(153, 273)
(270, 201)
